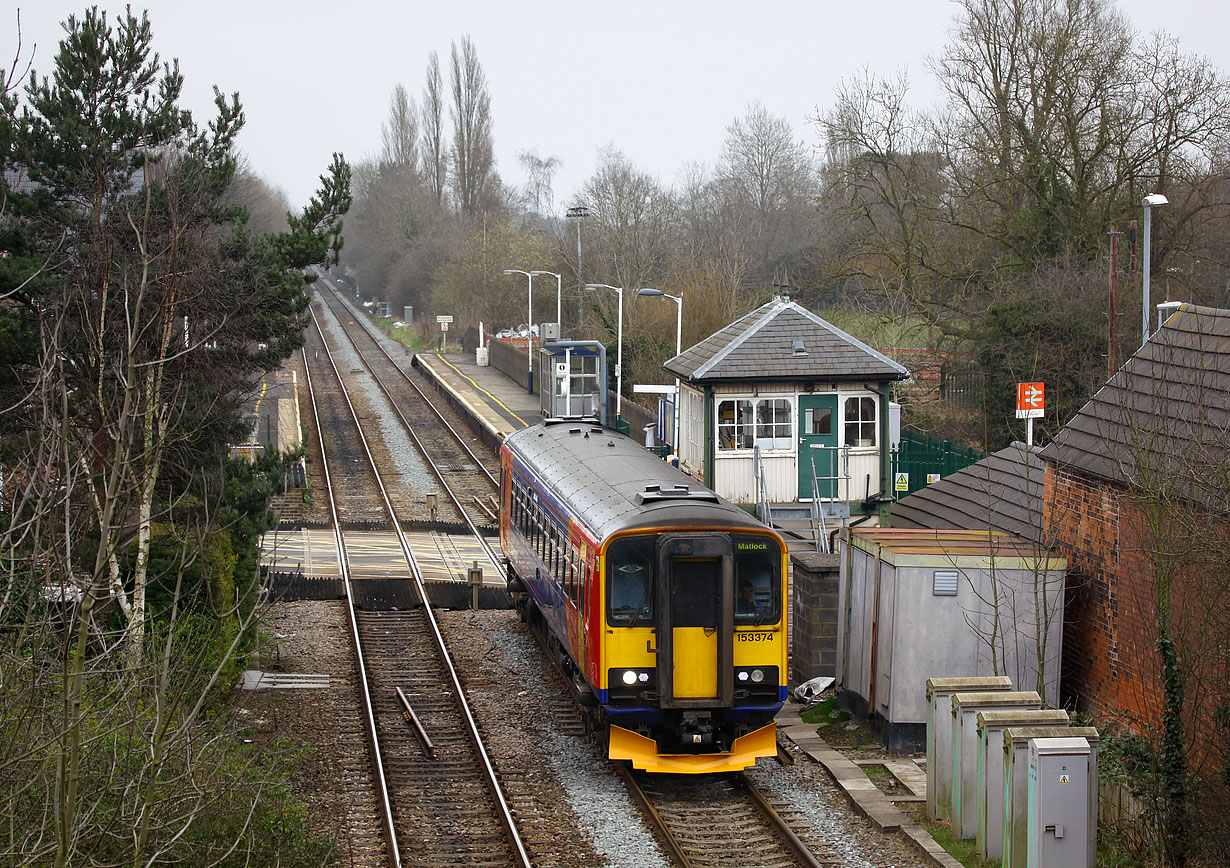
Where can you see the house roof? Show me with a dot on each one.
(761, 346)
(1002, 492)
(1164, 415)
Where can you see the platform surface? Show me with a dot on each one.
(496, 401)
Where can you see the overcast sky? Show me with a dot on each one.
(658, 80)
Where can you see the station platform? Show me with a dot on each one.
(497, 404)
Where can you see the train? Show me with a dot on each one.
(664, 604)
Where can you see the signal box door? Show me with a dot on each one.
(695, 620)
(817, 442)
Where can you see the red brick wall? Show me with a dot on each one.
(1110, 661)
(1109, 636)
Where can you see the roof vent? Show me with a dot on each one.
(677, 492)
(799, 349)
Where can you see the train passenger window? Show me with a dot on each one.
(629, 576)
(757, 581)
(582, 580)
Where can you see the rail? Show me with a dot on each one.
(472, 732)
(492, 557)
(344, 566)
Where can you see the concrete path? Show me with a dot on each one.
(867, 798)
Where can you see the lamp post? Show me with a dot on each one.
(579, 212)
(619, 346)
(559, 289)
(1149, 202)
(529, 324)
(678, 300)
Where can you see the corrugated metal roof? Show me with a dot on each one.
(1002, 491)
(761, 346)
(956, 548)
(1165, 415)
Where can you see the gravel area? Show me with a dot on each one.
(306, 637)
(534, 735)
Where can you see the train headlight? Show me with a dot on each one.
(629, 677)
(743, 675)
(757, 675)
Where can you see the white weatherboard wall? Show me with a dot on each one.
(733, 469)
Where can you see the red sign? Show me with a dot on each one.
(1030, 400)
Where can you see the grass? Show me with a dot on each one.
(965, 852)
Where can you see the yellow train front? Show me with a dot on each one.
(665, 603)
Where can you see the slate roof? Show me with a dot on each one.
(1165, 415)
(1002, 492)
(760, 346)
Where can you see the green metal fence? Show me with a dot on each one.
(920, 459)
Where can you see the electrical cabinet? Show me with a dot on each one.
(1059, 787)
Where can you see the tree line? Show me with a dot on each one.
(976, 228)
(139, 309)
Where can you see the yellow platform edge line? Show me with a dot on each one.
(481, 389)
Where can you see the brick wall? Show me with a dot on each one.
(1111, 665)
(813, 640)
(1109, 662)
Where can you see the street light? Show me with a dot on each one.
(619, 345)
(579, 212)
(1149, 202)
(559, 288)
(529, 324)
(678, 300)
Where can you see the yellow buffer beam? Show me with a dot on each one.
(643, 753)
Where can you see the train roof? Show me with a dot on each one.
(611, 483)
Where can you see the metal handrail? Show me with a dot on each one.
(762, 488)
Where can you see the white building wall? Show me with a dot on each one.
(733, 470)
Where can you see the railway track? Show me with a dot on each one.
(704, 819)
(437, 807)
(467, 475)
(435, 788)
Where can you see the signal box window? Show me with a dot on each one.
(860, 422)
(767, 423)
(774, 427)
(629, 578)
(736, 425)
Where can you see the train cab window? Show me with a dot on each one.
(694, 592)
(629, 572)
(757, 581)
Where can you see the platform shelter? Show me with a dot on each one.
(784, 406)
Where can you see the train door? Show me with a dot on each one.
(695, 620)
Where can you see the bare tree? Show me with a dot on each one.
(435, 151)
(400, 133)
(771, 179)
(538, 188)
(630, 223)
(472, 150)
